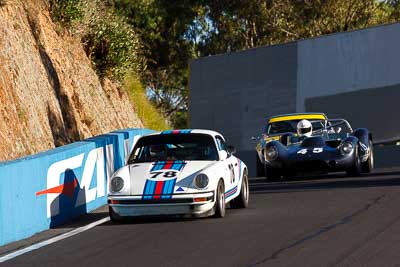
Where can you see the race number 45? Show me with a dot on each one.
(316, 150)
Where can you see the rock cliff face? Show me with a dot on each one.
(49, 93)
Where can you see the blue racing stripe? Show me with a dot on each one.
(146, 185)
(150, 192)
(159, 166)
(165, 189)
(147, 190)
(171, 188)
(175, 166)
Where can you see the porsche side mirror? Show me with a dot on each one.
(223, 155)
(231, 149)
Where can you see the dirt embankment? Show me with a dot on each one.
(49, 93)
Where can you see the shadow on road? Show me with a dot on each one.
(154, 220)
(327, 182)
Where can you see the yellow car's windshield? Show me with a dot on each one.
(290, 126)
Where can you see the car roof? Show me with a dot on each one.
(298, 116)
(188, 131)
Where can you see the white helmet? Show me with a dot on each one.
(304, 128)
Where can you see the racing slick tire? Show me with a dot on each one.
(114, 217)
(368, 165)
(242, 200)
(271, 174)
(259, 167)
(220, 201)
(355, 170)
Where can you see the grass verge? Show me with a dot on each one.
(147, 113)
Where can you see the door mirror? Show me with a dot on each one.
(223, 155)
(231, 149)
(255, 138)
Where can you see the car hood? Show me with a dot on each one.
(170, 176)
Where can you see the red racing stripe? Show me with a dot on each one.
(168, 165)
(158, 192)
(175, 132)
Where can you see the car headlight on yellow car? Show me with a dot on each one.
(201, 181)
(271, 153)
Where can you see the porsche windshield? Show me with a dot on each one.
(290, 126)
(174, 147)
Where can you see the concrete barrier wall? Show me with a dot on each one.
(377, 109)
(235, 93)
(45, 190)
(347, 62)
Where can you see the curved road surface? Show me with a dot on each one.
(321, 221)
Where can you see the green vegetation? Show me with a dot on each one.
(114, 48)
(157, 38)
(112, 45)
(67, 12)
(110, 42)
(149, 115)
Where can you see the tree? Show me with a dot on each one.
(163, 27)
(176, 31)
(240, 25)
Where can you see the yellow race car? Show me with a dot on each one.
(280, 125)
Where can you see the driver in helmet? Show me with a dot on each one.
(304, 128)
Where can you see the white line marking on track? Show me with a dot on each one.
(52, 240)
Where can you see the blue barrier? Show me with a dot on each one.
(47, 189)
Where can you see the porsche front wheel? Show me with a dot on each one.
(220, 201)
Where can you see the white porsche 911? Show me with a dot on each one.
(179, 172)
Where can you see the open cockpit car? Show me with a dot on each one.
(179, 172)
(282, 124)
(334, 147)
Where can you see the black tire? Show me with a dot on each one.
(369, 164)
(220, 201)
(260, 167)
(355, 170)
(242, 200)
(114, 217)
(271, 174)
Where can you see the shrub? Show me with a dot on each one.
(109, 41)
(67, 12)
(147, 113)
(112, 45)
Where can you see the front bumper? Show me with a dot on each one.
(329, 162)
(196, 205)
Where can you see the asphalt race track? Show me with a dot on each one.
(314, 221)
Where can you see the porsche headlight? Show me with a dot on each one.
(201, 181)
(271, 153)
(346, 148)
(117, 183)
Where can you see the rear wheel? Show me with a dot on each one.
(242, 200)
(369, 164)
(355, 170)
(220, 201)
